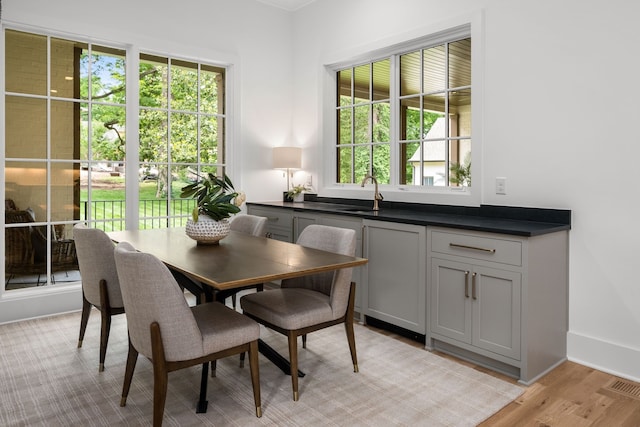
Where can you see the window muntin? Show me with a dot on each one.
(431, 114)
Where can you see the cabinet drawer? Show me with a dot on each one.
(492, 249)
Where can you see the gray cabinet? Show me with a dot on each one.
(395, 274)
(279, 222)
(476, 305)
(499, 300)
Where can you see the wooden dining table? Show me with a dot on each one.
(237, 261)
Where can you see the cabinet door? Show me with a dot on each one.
(302, 221)
(395, 274)
(450, 302)
(497, 311)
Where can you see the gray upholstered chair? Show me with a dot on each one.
(173, 335)
(100, 284)
(248, 224)
(306, 304)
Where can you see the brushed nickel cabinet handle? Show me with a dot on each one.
(273, 218)
(473, 286)
(475, 248)
(466, 284)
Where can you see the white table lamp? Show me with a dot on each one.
(287, 158)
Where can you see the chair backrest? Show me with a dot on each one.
(151, 294)
(95, 258)
(337, 283)
(250, 224)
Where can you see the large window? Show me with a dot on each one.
(406, 118)
(66, 145)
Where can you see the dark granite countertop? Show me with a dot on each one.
(519, 221)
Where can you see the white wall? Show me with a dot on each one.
(560, 99)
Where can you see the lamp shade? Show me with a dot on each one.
(287, 157)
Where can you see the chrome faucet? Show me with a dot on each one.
(376, 195)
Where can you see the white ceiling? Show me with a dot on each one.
(290, 5)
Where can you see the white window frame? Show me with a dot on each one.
(465, 26)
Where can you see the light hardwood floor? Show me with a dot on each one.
(571, 395)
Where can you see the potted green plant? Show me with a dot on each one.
(295, 194)
(216, 200)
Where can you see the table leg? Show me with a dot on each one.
(276, 358)
(202, 404)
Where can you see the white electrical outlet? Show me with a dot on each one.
(501, 185)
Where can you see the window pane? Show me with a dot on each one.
(64, 81)
(209, 139)
(460, 63)
(381, 77)
(381, 163)
(344, 126)
(361, 124)
(434, 69)
(153, 135)
(381, 122)
(26, 127)
(460, 159)
(362, 77)
(434, 161)
(107, 132)
(184, 86)
(65, 130)
(344, 86)
(362, 162)
(108, 204)
(433, 125)
(410, 73)
(65, 191)
(410, 163)
(153, 81)
(410, 119)
(345, 171)
(108, 75)
(25, 63)
(212, 90)
(460, 108)
(434, 102)
(184, 138)
(25, 184)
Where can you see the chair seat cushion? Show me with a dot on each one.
(222, 327)
(290, 308)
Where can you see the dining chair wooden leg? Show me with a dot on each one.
(255, 376)
(160, 375)
(304, 341)
(132, 358)
(105, 328)
(214, 364)
(293, 360)
(348, 325)
(86, 310)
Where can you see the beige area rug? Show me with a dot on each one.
(46, 381)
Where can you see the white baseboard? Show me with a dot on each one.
(608, 357)
(19, 305)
